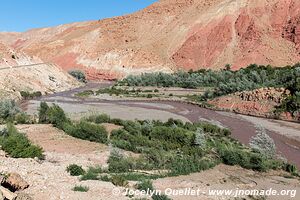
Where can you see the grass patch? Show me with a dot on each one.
(80, 188)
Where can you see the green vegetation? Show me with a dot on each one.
(180, 148)
(86, 131)
(263, 143)
(127, 92)
(79, 75)
(170, 148)
(30, 95)
(17, 145)
(145, 185)
(75, 170)
(8, 110)
(80, 188)
(85, 93)
(92, 173)
(52, 114)
(226, 82)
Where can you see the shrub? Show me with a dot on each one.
(149, 96)
(28, 95)
(17, 145)
(80, 188)
(200, 139)
(103, 118)
(257, 162)
(22, 118)
(89, 175)
(79, 75)
(4, 132)
(43, 118)
(263, 143)
(75, 170)
(145, 185)
(87, 131)
(56, 116)
(232, 156)
(290, 168)
(8, 109)
(85, 93)
(119, 180)
(117, 162)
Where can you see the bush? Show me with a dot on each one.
(117, 162)
(87, 131)
(22, 118)
(145, 185)
(43, 117)
(200, 139)
(232, 156)
(28, 95)
(149, 96)
(290, 168)
(4, 132)
(263, 143)
(119, 180)
(103, 118)
(79, 75)
(17, 145)
(8, 109)
(75, 170)
(56, 116)
(81, 188)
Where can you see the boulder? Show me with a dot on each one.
(15, 182)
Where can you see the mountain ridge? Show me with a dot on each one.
(170, 35)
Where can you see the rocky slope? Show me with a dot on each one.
(20, 72)
(170, 35)
(259, 102)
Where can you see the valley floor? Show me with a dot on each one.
(48, 179)
(285, 134)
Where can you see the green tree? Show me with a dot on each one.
(263, 143)
(43, 118)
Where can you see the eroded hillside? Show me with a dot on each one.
(170, 35)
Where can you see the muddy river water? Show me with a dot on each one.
(285, 134)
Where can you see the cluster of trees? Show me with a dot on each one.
(84, 130)
(30, 95)
(182, 148)
(226, 81)
(79, 75)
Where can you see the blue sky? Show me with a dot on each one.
(21, 15)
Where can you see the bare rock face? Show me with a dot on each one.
(15, 182)
(171, 35)
(31, 74)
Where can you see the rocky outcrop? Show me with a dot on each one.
(11, 187)
(20, 72)
(15, 182)
(260, 102)
(171, 35)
